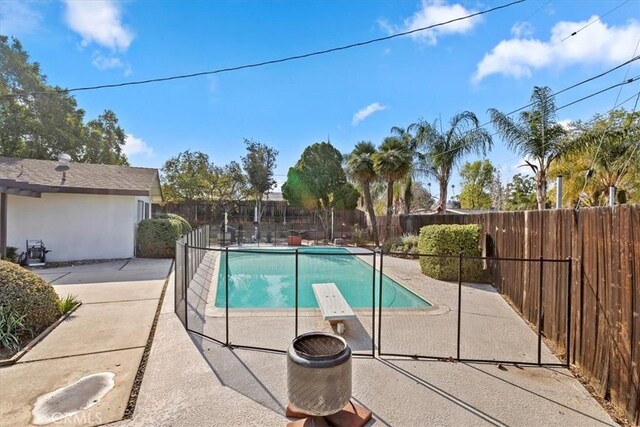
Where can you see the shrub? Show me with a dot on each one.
(157, 237)
(28, 295)
(391, 245)
(451, 240)
(185, 227)
(360, 235)
(12, 254)
(11, 329)
(67, 303)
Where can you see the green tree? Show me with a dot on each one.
(318, 181)
(227, 186)
(41, 121)
(360, 166)
(259, 164)
(521, 193)
(185, 178)
(105, 140)
(536, 136)
(392, 162)
(476, 184)
(608, 146)
(444, 149)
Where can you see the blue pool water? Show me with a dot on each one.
(267, 280)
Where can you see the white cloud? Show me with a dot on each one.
(102, 62)
(522, 29)
(18, 18)
(133, 146)
(98, 21)
(366, 112)
(520, 56)
(433, 12)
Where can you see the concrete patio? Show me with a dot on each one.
(107, 333)
(192, 381)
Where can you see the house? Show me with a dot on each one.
(79, 210)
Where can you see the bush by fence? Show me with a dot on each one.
(156, 237)
(450, 240)
(185, 227)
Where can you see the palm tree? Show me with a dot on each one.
(392, 162)
(443, 150)
(360, 166)
(407, 182)
(535, 135)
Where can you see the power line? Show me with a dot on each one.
(627, 81)
(590, 171)
(274, 61)
(592, 22)
(635, 58)
(624, 168)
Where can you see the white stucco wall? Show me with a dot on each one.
(74, 226)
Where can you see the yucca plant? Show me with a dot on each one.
(11, 328)
(67, 303)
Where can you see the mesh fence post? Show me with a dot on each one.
(459, 305)
(226, 294)
(539, 323)
(380, 300)
(186, 287)
(568, 315)
(296, 291)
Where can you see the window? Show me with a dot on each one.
(140, 210)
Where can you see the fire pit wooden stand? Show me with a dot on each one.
(352, 415)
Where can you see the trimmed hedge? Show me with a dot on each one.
(157, 237)
(184, 224)
(451, 239)
(27, 294)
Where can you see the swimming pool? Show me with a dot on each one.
(267, 280)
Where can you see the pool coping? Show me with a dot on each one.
(212, 310)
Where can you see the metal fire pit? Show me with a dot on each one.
(319, 373)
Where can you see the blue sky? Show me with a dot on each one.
(349, 96)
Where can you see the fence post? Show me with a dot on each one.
(186, 285)
(379, 300)
(296, 296)
(569, 279)
(540, 312)
(226, 294)
(459, 305)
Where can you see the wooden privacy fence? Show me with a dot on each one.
(604, 244)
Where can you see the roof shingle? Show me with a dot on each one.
(78, 177)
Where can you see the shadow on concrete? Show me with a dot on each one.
(234, 373)
(130, 270)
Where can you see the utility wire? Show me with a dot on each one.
(592, 22)
(624, 168)
(275, 61)
(590, 170)
(627, 81)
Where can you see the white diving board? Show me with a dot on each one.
(332, 304)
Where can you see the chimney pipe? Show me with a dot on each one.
(63, 160)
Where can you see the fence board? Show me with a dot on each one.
(604, 244)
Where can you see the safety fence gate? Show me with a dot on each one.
(262, 298)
